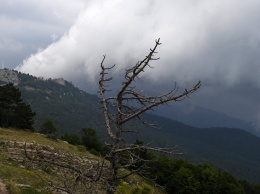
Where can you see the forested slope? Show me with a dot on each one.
(71, 109)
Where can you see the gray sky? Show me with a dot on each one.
(217, 42)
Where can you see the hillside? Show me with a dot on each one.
(204, 118)
(69, 107)
(230, 149)
(23, 170)
(55, 99)
(233, 150)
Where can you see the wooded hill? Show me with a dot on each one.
(71, 109)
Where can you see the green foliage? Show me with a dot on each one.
(251, 188)
(184, 181)
(12, 188)
(90, 139)
(49, 129)
(65, 104)
(26, 77)
(124, 188)
(181, 177)
(141, 190)
(13, 111)
(71, 138)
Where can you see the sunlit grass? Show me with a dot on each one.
(29, 137)
(13, 173)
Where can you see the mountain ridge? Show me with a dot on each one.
(204, 118)
(71, 109)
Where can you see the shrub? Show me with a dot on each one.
(49, 129)
(12, 188)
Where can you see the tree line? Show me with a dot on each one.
(174, 175)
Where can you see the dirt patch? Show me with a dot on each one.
(3, 189)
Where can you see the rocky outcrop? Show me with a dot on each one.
(74, 172)
(7, 75)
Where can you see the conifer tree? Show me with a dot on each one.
(13, 111)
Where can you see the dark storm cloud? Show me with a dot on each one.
(217, 42)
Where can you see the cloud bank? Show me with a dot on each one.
(215, 41)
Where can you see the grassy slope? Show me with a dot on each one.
(14, 173)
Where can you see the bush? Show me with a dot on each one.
(49, 129)
(12, 188)
(72, 139)
(90, 139)
(124, 188)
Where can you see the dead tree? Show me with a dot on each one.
(73, 174)
(124, 112)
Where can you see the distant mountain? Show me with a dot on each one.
(231, 149)
(69, 107)
(204, 118)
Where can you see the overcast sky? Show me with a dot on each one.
(216, 41)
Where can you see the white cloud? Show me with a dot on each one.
(201, 40)
(215, 41)
(31, 25)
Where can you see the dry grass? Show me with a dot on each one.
(29, 137)
(11, 171)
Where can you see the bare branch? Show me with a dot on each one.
(103, 99)
(163, 100)
(129, 105)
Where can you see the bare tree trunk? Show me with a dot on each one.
(125, 113)
(113, 173)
